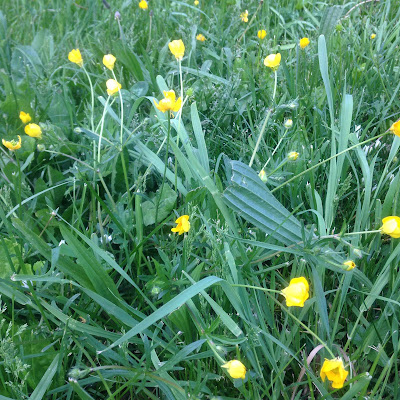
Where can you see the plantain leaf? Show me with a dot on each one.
(248, 196)
(330, 19)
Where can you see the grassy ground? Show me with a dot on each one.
(100, 300)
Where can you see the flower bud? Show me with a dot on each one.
(293, 155)
(288, 124)
(263, 176)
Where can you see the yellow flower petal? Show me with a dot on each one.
(113, 87)
(33, 130)
(297, 292)
(261, 34)
(350, 265)
(334, 371)
(169, 103)
(75, 57)
(109, 61)
(391, 226)
(244, 16)
(304, 42)
(143, 5)
(24, 117)
(272, 61)
(235, 369)
(183, 225)
(177, 48)
(12, 144)
(395, 128)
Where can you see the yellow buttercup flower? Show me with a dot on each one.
(395, 128)
(391, 226)
(75, 57)
(293, 155)
(334, 371)
(169, 103)
(177, 48)
(350, 265)
(33, 130)
(200, 37)
(143, 5)
(235, 369)
(261, 34)
(373, 36)
(272, 61)
(12, 144)
(304, 42)
(196, 2)
(24, 117)
(109, 61)
(113, 87)
(244, 16)
(297, 292)
(183, 224)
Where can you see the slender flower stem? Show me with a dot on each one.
(276, 81)
(101, 129)
(259, 138)
(276, 148)
(92, 96)
(278, 167)
(264, 125)
(165, 167)
(361, 233)
(122, 110)
(328, 159)
(180, 76)
(179, 122)
(256, 287)
(295, 318)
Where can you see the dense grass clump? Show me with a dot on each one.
(199, 199)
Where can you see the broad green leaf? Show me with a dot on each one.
(45, 382)
(330, 19)
(165, 206)
(251, 199)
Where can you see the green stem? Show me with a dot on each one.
(328, 159)
(276, 148)
(19, 186)
(122, 111)
(259, 138)
(264, 125)
(278, 167)
(92, 97)
(165, 167)
(257, 287)
(101, 129)
(179, 124)
(276, 81)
